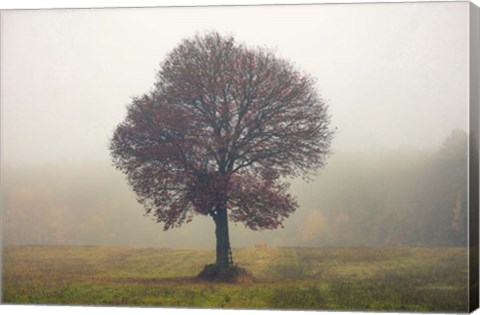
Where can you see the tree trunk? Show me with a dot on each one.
(223, 242)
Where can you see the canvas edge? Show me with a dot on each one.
(474, 99)
(1, 158)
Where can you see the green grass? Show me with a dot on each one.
(390, 279)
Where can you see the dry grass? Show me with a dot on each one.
(413, 279)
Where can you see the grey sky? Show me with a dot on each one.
(395, 75)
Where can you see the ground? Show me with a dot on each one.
(413, 279)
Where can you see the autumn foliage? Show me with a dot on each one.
(223, 126)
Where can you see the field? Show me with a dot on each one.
(413, 279)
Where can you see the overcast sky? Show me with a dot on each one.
(394, 75)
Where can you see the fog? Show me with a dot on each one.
(395, 199)
(395, 77)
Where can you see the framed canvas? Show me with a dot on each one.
(246, 157)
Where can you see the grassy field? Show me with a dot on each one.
(413, 279)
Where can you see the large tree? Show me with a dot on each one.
(223, 127)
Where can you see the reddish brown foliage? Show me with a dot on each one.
(221, 128)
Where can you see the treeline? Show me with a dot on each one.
(376, 199)
(402, 199)
(79, 205)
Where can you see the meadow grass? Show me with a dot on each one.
(390, 279)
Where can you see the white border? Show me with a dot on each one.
(48, 4)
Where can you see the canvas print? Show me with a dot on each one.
(314, 157)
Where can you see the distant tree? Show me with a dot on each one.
(450, 190)
(222, 127)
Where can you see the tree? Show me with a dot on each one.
(222, 128)
(447, 199)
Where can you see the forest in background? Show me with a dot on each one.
(395, 198)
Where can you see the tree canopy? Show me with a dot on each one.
(224, 124)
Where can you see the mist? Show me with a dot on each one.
(395, 77)
(398, 198)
